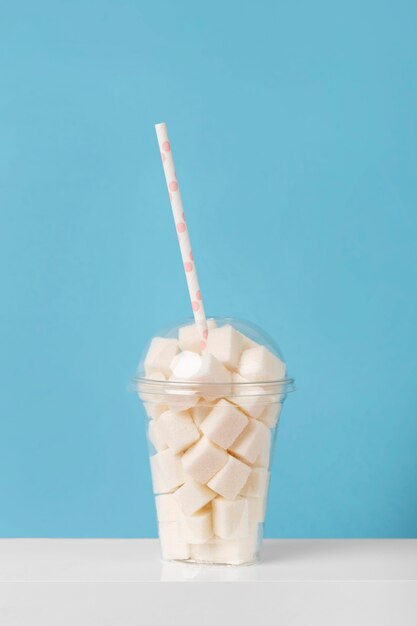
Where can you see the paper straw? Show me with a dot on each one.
(182, 231)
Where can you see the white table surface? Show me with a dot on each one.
(124, 581)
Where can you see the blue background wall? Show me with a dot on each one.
(294, 129)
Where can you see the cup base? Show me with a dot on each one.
(253, 561)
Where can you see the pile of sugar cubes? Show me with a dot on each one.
(210, 466)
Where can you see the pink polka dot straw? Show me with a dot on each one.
(182, 231)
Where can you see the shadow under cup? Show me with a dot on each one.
(211, 445)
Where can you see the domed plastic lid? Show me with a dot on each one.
(238, 358)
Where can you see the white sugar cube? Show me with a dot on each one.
(263, 458)
(230, 518)
(223, 424)
(155, 409)
(249, 443)
(181, 399)
(172, 544)
(167, 507)
(159, 376)
(193, 496)
(200, 412)
(259, 364)
(167, 471)
(196, 528)
(185, 365)
(178, 430)
(159, 356)
(212, 371)
(230, 479)
(203, 460)
(226, 344)
(251, 399)
(235, 552)
(191, 367)
(156, 436)
(256, 509)
(189, 336)
(159, 485)
(270, 414)
(257, 483)
(248, 342)
(149, 395)
(237, 378)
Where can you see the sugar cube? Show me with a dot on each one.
(168, 471)
(189, 336)
(235, 552)
(223, 424)
(226, 344)
(263, 458)
(181, 399)
(212, 371)
(270, 414)
(230, 518)
(193, 496)
(203, 460)
(149, 395)
(185, 365)
(251, 399)
(172, 544)
(167, 507)
(259, 364)
(256, 509)
(230, 479)
(196, 528)
(257, 483)
(159, 485)
(200, 412)
(248, 342)
(155, 409)
(249, 443)
(159, 356)
(201, 369)
(156, 436)
(178, 430)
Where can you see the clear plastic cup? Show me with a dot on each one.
(211, 437)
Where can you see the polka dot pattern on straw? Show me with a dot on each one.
(182, 231)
